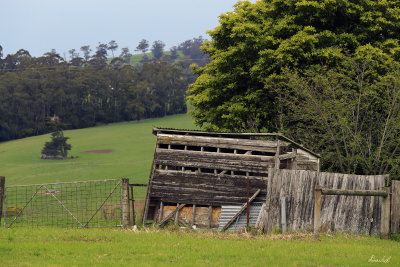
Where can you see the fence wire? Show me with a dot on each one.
(68, 205)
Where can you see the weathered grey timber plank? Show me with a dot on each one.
(199, 198)
(341, 192)
(182, 189)
(385, 216)
(194, 175)
(178, 208)
(167, 153)
(244, 206)
(212, 181)
(219, 140)
(290, 155)
(395, 227)
(202, 188)
(209, 164)
(228, 143)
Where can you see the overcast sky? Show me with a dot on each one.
(40, 25)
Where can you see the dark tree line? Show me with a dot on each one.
(88, 90)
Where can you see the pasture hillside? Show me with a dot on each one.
(104, 152)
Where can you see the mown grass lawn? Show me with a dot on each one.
(115, 247)
(132, 144)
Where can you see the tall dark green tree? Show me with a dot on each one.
(86, 52)
(264, 53)
(112, 46)
(143, 46)
(157, 49)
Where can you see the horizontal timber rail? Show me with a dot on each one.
(377, 193)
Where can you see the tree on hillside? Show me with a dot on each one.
(143, 46)
(73, 54)
(86, 52)
(112, 46)
(102, 49)
(174, 53)
(246, 85)
(126, 54)
(157, 49)
(57, 148)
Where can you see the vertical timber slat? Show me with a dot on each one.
(177, 214)
(193, 216)
(317, 209)
(160, 213)
(125, 203)
(2, 190)
(209, 216)
(385, 215)
(395, 227)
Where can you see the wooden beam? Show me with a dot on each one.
(277, 161)
(385, 215)
(176, 215)
(171, 214)
(378, 193)
(317, 210)
(209, 216)
(244, 206)
(290, 155)
(283, 214)
(193, 215)
(160, 213)
(2, 190)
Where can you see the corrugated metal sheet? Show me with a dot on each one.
(227, 212)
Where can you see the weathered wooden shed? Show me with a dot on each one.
(196, 173)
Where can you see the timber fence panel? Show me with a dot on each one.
(343, 213)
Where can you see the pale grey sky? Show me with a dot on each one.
(40, 25)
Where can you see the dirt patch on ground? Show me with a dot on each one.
(101, 151)
(139, 205)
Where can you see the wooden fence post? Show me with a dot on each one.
(283, 214)
(385, 215)
(2, 190)
(125, 203)
(317, 209)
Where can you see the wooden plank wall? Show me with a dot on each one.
(339, 213)
(395, 226)
(203, 188)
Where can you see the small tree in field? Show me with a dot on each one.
(57, 147)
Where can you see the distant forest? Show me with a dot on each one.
(88, 87)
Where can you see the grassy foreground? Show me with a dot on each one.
(132, 144)
(115, 247)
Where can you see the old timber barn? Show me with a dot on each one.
(203, 179)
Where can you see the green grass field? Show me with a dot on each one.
(133, 144)
(113, 247)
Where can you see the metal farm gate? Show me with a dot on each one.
(69, 205)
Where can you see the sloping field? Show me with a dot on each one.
(120, 150)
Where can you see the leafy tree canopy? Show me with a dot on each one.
(256, 41)
(322, 72)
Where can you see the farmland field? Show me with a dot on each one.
(120, 150)
(114, 247)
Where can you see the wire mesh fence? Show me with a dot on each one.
(68, 205)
